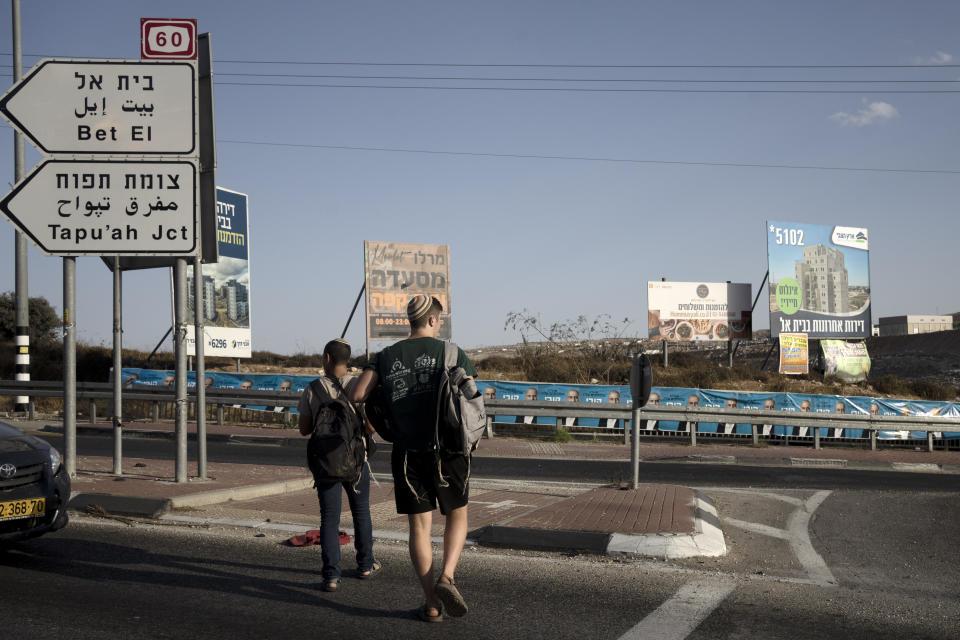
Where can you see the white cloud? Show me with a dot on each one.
(941, 57)
(871, 114)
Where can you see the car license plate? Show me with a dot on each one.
(27, 508)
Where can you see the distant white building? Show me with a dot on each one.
(909, 325)
(823, 279)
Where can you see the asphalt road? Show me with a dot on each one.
(888, 554)
(588, 471)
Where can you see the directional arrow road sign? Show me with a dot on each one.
(114, 107)
(101, 207)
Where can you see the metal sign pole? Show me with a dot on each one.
(117, 368)
(70, 364)
(22, 299)
(199, 346)
(180, 348)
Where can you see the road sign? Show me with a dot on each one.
(114, 107)
(168, 39)
(100, 207)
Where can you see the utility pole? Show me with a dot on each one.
(21, 293)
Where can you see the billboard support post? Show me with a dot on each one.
(354, 310)
(199, 343)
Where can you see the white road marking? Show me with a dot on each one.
(797, 534)
(676, 618)
(799, 527)
(503, 504)
(753, 492)
(756, 527)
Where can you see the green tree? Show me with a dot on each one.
(44, 322)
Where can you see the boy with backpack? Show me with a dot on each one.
(411, 374)
(336, 454)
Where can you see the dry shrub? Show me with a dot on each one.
(932, 390)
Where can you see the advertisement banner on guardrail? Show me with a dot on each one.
(540, 392)
(680, 397)
(394, 272)
(695, 311)
(794, 353)
(848, 361)
(226, 284)
(819, 280)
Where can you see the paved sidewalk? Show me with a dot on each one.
(653, 520)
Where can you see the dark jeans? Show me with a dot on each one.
(330, 505)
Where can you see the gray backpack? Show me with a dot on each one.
(461, 417)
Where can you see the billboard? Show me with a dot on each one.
(848, 361)
(819, 280)
(794, 353)
(226, 284)
(689, 311)
(394, 272)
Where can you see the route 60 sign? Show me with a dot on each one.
(168, 39)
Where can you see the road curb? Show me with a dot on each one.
(708, 540)
(542, 539)
(218, 496)
(152, 508)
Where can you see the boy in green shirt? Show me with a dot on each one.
(423, 476)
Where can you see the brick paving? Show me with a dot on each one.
(651, 508)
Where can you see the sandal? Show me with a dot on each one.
(371, 572)
(331, 585)
(423, 612)
(449, 597)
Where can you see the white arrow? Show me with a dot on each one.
(115, 107)
(101, 207)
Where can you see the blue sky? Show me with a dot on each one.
(559, 236)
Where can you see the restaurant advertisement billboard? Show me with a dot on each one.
(697, 311)
(395, 272)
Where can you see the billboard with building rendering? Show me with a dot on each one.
(819, 280)
(226, 284)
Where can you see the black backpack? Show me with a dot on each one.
(336, 450)
(377, 412)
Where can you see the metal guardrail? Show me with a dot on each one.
(104, 390)
(722, 415)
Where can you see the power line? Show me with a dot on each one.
(532, 156)
(596, 66)
(576, 89)
(572, 80)
(529, 156)
(563, 66)
(650, 80)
